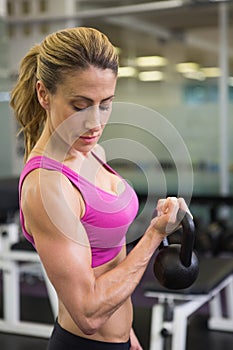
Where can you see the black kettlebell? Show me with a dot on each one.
(176, 266)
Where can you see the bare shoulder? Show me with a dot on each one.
(49, 202)
(41, 184)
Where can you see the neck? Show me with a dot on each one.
(51, 145)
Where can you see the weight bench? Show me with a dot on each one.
(15, 258)
(171, 311)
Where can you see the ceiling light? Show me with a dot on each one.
(187, 67)
(198, 75)
(151, 76)
(151, 61)
(127, 72)
(211, 72)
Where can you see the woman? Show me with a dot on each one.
(75, 209)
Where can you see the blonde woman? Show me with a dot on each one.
(74, 208)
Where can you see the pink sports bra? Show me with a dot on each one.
(107, 216)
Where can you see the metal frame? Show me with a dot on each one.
(184, 306)
(9, 264)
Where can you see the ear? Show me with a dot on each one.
(42, 94)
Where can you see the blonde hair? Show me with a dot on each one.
(60, 53)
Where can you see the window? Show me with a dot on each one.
(10, 8)
(25, 7)
(43, 5)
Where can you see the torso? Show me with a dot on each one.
(118, 326)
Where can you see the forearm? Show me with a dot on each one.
(106, 293)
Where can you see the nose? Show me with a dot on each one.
(92, 118)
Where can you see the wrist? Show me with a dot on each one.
(155, 234)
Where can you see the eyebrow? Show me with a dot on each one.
(90, 100)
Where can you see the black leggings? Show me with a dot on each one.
(61, 339)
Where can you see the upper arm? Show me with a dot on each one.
(52, 210)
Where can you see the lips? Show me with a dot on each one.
(89, 139)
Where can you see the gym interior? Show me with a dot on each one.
(173, 115)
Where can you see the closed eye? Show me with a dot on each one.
(104, 108)
(106, 105)
(78, 109)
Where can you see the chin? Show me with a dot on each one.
(83, 148)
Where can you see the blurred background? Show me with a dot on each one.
(170, 132)
(176, 58)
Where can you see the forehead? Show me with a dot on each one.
(87, 82)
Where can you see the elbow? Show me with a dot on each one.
(89, 325)
(89, 319)
(88, 330)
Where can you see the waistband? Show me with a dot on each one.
(73, 340)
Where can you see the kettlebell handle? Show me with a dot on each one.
(187, 239)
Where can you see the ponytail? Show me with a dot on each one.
(28, 111)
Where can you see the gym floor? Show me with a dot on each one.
(35, 307)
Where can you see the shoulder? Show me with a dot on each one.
(42, 181)
(48, 196)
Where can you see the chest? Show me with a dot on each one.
(108, 181)
(100, 176)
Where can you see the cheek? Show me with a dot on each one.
(69, 127)
(104, 117)
(59, 114)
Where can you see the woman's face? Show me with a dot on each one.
(81, 106)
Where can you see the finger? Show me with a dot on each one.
(183, 205)
(163, 205)
(160, 206)
(171, 207)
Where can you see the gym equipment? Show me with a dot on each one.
(176, 265)
(13, 263)
(209, 238)
(215, 239)
(15, 259)
(9, 202)
(226, 242)
(172, 309)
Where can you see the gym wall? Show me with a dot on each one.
(191, 106)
